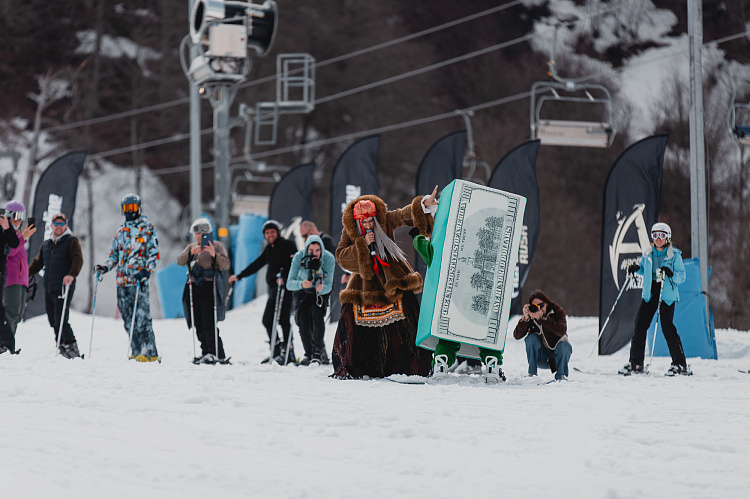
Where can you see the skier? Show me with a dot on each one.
(61, 258)
(134, 251)
(278, 255)
(8, 239)
(446, 350)
(17, 277)
(545, 328)
(205, 261)
(311, 280)
(379, 313)
(663, 271)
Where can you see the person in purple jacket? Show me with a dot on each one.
(17, 267)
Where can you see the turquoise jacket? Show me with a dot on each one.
(653, 260)
(297, 273)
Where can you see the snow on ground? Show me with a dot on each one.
(108, 427)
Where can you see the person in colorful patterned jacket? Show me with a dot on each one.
(17, 266)
(134, 251)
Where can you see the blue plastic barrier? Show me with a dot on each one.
(247, 242)
(170, 282)
(698, 338)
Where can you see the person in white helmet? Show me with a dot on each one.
(663, 271)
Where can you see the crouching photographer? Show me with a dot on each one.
(311, 279)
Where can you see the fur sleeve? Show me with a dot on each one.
(413, 216)
(354, 256)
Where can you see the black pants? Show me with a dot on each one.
(666, 319)
(286, 307)
(203, 310)
(310, 318)
(7, 339)
(53, 304)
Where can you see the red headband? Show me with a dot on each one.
(364, 209)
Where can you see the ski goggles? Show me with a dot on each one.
(201, 228)
(658, 235)
(130, 208)
(15, 215)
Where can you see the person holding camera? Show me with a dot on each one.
(545, 328)
(205, 259)
(663, 271)
(311, 280)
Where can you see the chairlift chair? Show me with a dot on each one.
(739, 126)
(562, 132)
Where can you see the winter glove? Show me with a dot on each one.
(633, 268)
(101, 269)
(667, 271)
(414, 232)
(142, 276)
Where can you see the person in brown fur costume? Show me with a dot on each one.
(379, 314)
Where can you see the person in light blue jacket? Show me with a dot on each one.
(311, 280)
(663, 271)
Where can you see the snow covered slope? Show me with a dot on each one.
(107, 427)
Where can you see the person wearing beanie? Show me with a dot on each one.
(17, 266)
(277, 255)
(205, 263)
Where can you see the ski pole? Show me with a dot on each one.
(193, 330)
(656, 326)
(276, 315)
(216, 329)
(601, 332)
(132, 320)
(288, 345)
(93, 311)
(62, 318)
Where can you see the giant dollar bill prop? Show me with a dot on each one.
(469, 284)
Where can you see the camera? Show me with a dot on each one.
(533, 307)
(310, 262)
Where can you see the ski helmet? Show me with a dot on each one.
(662, 227)
(272, 224)
(130, 206)
(15, 210)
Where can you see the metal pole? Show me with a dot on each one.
(196, 187)
(221, 99)
(698, 218)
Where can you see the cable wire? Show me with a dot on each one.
(270, 78)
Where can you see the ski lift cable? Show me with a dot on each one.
(429, 119)
(486, 105)
(270, 78)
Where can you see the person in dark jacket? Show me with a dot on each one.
(61, 258)
(545, 328)
(8, 239)
(277, 255)
(205, 263)
(308, 228)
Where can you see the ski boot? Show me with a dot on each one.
(677, 370)
(70, 351)
(494, 374)
(630, 368)
(439, 368)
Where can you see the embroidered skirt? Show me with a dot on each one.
(379, 350)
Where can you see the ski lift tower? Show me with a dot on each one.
(594, 98)
(215, 58)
